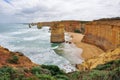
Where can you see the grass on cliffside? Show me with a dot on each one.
(108, 71)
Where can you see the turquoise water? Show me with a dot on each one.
(35, 44)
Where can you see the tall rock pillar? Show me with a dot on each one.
(57, 33)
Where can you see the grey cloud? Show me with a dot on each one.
(34, 9)
(49, 10)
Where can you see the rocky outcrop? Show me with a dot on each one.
(42, 24)
(103, 33)
(69, 25)
(14, 59)
(58, 27)
(101, 59)
(57, 33)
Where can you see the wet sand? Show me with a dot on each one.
(89, 50)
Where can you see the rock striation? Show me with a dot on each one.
(103, 33)
(69, 25)
(57, 33)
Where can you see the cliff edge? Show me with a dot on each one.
(103, 33)
(101, 59)
(14, 59)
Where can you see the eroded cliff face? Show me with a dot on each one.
(57, 33)
(103, 33)
(71, 26)
(101, 59)
(59, 27)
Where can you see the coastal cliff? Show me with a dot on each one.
(57, 33)
(101, 59)
(14, 59)
(58, 27)
(103, 33)
(69, 25)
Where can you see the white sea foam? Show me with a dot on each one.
(67, 37)
(71, 52)
(36, 45)
(23, 31)
(50, 57)
(31, 38)
(55, 47)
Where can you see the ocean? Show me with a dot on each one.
(35, 44)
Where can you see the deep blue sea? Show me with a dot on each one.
(35, 44)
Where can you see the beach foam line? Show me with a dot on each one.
(51, 58)
(72, 53)
(23, 31)
(31, 38)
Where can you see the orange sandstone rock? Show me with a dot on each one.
(58, 28)
(104, 34)
(101, 59)
(57, 33)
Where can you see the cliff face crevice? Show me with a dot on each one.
(104, 34)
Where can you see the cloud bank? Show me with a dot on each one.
(51, 10)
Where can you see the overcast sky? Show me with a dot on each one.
(51, 10)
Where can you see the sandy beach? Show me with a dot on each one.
(89, 50)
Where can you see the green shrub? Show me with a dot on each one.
(32, 78)
(96, 75)
(82, 30)
(5, 76)
(77, 31)
(103, 67)
(75, 75)
(6, 73)
(36, 70)
(62, 77)
(45, 77)
(53, 69)
(114, 74)
(6, 69)
(14, 59)
(39, 70)
(109, 65)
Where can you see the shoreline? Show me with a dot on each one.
(89, 51)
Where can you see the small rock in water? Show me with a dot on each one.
(70, 42)
(66, 41)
